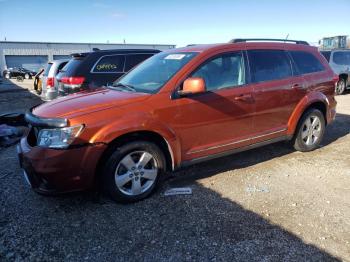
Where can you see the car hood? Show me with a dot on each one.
(87, 102)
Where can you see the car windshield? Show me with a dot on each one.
(153, 73)
(341, 58)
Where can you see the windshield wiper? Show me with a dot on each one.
(124, 86)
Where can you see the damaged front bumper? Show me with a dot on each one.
(51, 171)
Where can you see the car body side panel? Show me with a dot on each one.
(109, 130)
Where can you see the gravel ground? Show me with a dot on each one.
(268, 204)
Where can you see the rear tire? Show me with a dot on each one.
(310, 131)
(341, 86)
(26, 76)
(132, 171)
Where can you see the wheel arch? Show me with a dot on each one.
(144, 135)
(315, 100)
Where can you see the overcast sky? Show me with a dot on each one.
(169, 21)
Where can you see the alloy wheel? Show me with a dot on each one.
(26, 76)
(312, 130)
(136, 173)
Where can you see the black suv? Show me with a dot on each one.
(18, 71)
(99, 68)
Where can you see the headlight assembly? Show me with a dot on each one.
(58, 137)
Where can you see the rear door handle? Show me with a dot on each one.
(244, 97)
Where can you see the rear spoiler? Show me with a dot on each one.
(78, 55)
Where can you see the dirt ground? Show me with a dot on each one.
(267, 204)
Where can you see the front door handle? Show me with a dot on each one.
(244, 97)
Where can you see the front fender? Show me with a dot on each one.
(137, 123)
(308, 99)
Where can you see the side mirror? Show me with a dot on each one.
(193, 85)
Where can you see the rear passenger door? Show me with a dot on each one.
(312, 71)
(274, 87)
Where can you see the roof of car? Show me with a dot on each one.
(116, 51)
(127, 50)
(59, 60)
(336, 49)
(206, 47)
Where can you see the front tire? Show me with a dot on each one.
(341, 86)
(310, 131)
(7, 76)
(132, 171)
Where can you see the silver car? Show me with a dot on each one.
(49, 82)
(339, 60)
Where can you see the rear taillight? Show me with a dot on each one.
(50, 82)
(72, 82)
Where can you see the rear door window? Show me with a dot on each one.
(306, 62)
(341, 58)
(133, 60)
(110, 64)
(268, 65)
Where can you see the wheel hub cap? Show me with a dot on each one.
(136, 173)
(311, 131)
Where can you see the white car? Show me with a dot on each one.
(339, 60)
(49, 81)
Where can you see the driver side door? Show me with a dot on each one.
(219, 119)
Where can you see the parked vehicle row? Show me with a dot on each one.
(18, 71)
(88, 71)
(177, 108)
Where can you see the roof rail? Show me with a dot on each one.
(240, 40)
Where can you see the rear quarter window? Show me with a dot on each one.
(268, 65)
(110, 64)
(306, 62)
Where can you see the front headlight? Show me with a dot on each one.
(58, 137)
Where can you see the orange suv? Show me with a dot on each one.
(177, 108)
